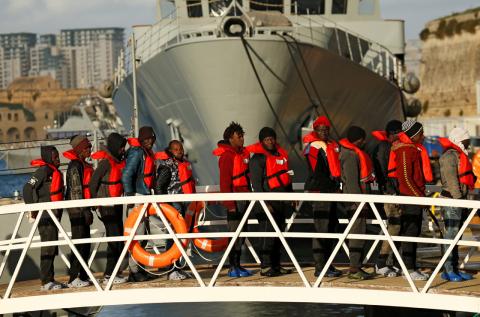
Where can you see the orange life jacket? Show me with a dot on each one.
(184, 172)
(115, 186)
(476, 168)
(240, 166)
(465, 171)
(56, 187)
(426, 167)
(311, 153)
(276, 166)
(87, 172)
(366, 166)
(380, 135)
(148, 166)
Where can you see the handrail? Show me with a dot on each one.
(30, 242)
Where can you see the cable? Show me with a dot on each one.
(245, 46)
(313, 84)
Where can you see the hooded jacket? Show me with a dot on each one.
(133, 174)
(99, 183)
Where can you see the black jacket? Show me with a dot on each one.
(37, 189)
(320, 179)
(258, 176)
(380, 157)
(100, 177)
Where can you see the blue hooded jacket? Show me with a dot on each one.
(132, 178)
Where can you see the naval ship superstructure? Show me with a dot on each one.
(274, 63)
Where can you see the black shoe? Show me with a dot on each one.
(269, 272)
(331, 272)
(360, 275)
(138, 277)
(283, 271)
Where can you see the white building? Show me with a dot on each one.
(15, 56)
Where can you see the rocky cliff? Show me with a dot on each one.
(450, 65)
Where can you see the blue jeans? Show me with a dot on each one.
(453, 218)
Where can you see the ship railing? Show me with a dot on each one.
(348, 44)
(325, 33)
(362, 202)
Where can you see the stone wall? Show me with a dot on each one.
(450, 65)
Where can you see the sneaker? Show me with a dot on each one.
(360, 275)
(176, 276)
(270, 272)
(451, 276)
(331, 272)
(140, 277)
(465, 276)
(385, 271)
(116, 280)
(234, 272)
(283, 271)
(417, 276)
(52, 286)
(78, 283)
(244, 272)
(185, 273)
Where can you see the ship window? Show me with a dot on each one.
(267, 5)
(339, 6)
(366, 7)
(309, 7)
(194, 8)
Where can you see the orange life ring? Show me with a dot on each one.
(207, 245)
(156, 260)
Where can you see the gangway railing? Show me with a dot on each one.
(421, 296)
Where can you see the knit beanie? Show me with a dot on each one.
(266, 132)
(457, 135)
(114, 143)
(394, 127)
(355, 133)
(412, 128)
(321, 120)
(46, 153)
(146, 133)
(80, 143)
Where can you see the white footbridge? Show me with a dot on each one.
(210, 283)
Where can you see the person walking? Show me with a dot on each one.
(106, 182)
(175, 176)
(79, 172)
(234, 178)
(138, 178)
(357, 176)
(322, 156)
(269, 172)
(45, 185)
(457, 179)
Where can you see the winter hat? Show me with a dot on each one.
(393, 127)
(457, 135)
(146, 133)
(114, 143)
(321, 120)
(412, 128)
(80, 143)
(355, 133)
(266, 132)
(46, 153)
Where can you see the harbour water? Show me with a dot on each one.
(233, 310)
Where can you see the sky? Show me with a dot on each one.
(49, 16)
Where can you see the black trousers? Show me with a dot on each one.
(233, 221)
(48, 232)
(270, 248)
(325, 220)
(411, 225)
(356, 247)
(112, 218)
(80, 230)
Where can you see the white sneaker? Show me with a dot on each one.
(78, 283)
(52, 286)
(176, 276)
(418, 276)
(385, 271)
(116, 280)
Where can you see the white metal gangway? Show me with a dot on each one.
(214, 287)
